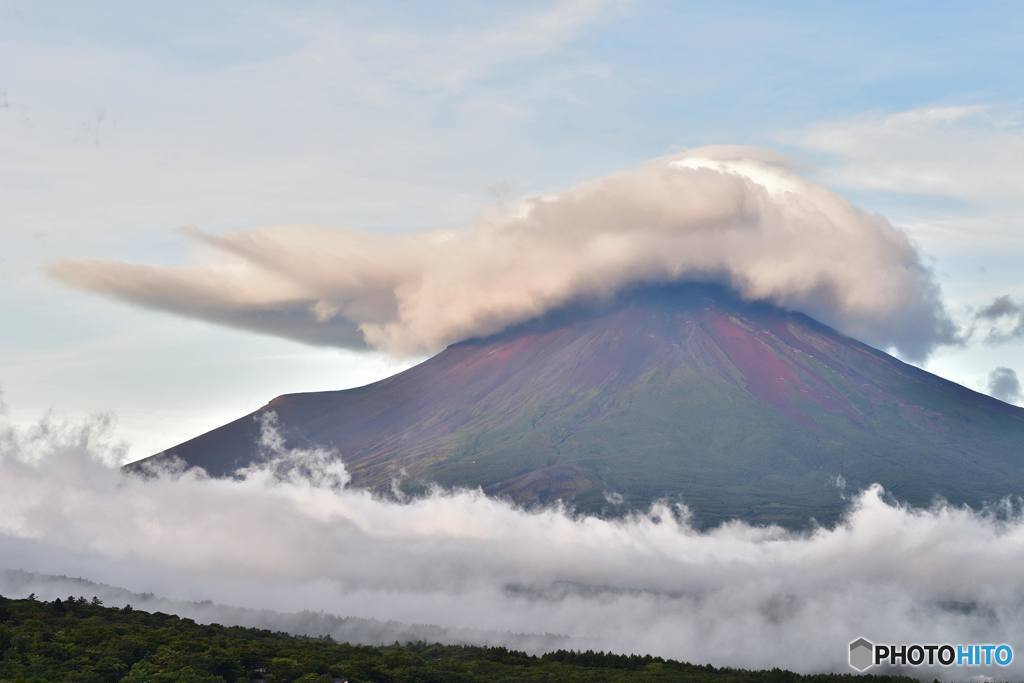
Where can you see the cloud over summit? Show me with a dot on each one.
(734, 215)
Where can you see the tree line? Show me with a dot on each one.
(79, 639)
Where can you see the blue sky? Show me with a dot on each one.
(123, 123)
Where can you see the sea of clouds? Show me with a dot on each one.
(293, 536)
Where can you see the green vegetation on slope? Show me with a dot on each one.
(79, 640)
(686, 393)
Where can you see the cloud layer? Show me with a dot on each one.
(19, 583)
(291, 538)
(733, 215)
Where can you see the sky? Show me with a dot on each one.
(126, 128)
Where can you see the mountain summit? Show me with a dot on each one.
(681, 392)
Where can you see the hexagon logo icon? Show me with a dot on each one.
(862, 654)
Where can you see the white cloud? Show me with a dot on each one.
(950, 176)
(456, 59)
(238, 116)
(729, 214)
(736, 595)
(973, 153)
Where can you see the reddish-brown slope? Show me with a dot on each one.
(740, 409)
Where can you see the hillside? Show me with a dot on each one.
(75, 639)
(686, 392)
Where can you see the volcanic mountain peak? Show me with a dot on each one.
(681, 392)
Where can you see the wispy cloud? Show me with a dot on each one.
(973, 153)
(456, 59)
(310, 622)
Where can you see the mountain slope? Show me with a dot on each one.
(684, 392)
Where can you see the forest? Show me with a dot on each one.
(79, 639)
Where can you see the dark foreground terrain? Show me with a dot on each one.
(75, 639)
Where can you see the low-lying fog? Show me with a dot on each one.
(293, 538)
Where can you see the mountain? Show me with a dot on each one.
(681, 392)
